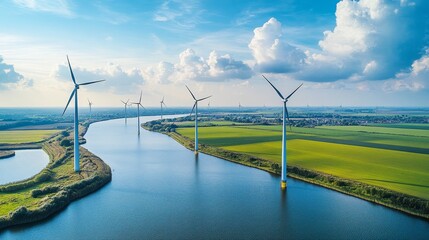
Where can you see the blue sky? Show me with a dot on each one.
(350, 53)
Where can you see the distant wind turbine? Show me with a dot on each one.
(90, 108)
(285, 114)
(125, 106)
(239, 106)
(138, 110)
(162, 103)
(76, 115)
(196, 116)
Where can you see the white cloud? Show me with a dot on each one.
(117, 79)
(271, 52)
(194, 67)
(372, 40)
(225, 67)
(415, 80)
(9, 78)
(161, 73)
(60, 7)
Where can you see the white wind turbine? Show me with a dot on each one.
(90, 108)
(196, 117)
(285, 115)
(125, 106)
(138, 110)
(76, 115)
(162, 103)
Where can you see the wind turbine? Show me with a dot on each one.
(162, 103)
(285, 114)
(125, 106)
(196, 117)
(76, 115)
(138, 110)
(239, 106)
(90, 108)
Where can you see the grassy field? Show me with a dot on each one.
(393, 158)
(25, 136)
(207, 123)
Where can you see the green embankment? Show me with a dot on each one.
(54, 187)
(25, 136)
(381, 158)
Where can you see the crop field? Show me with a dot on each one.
(24, 136)
(207, 123)
(385, 157)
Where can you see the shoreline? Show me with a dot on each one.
(57, 185)
(6, 154)
(373, 194)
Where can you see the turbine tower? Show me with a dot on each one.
(125, 106)
(162, 103)
(76, 115)
(196, 116)
(138, 111)
(285, 115)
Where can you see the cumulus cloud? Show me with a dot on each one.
(10, 78)
(117, 79)
(415, 80)
(271, 52)
(372, 40)
(193, 67)
(161, 73)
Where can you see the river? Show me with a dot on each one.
(25, 164)
(160, 190)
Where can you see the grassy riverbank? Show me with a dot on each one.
(55, 186)
(251, 146)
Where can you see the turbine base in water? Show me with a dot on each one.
(196, 152)
(283, 185)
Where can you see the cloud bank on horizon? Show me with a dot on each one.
(373, 41)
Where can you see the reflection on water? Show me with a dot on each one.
(25, 164)
(162, 190)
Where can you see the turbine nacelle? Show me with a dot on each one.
(284, 99)
(195, 99)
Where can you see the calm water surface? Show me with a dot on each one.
(161, 191)
(25, 164)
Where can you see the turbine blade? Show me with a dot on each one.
(193, 108)
(140, 100)
(191, 93)
(164, 104)
(142, 106)
(278, 92)
(294, 91)
(70, 98)
(203, 98)
(123, 102)
(88, 83)
(71, 71)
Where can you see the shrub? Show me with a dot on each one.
(65, 143)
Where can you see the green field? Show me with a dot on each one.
(25, 136)
(394, 158)
(207, 123)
